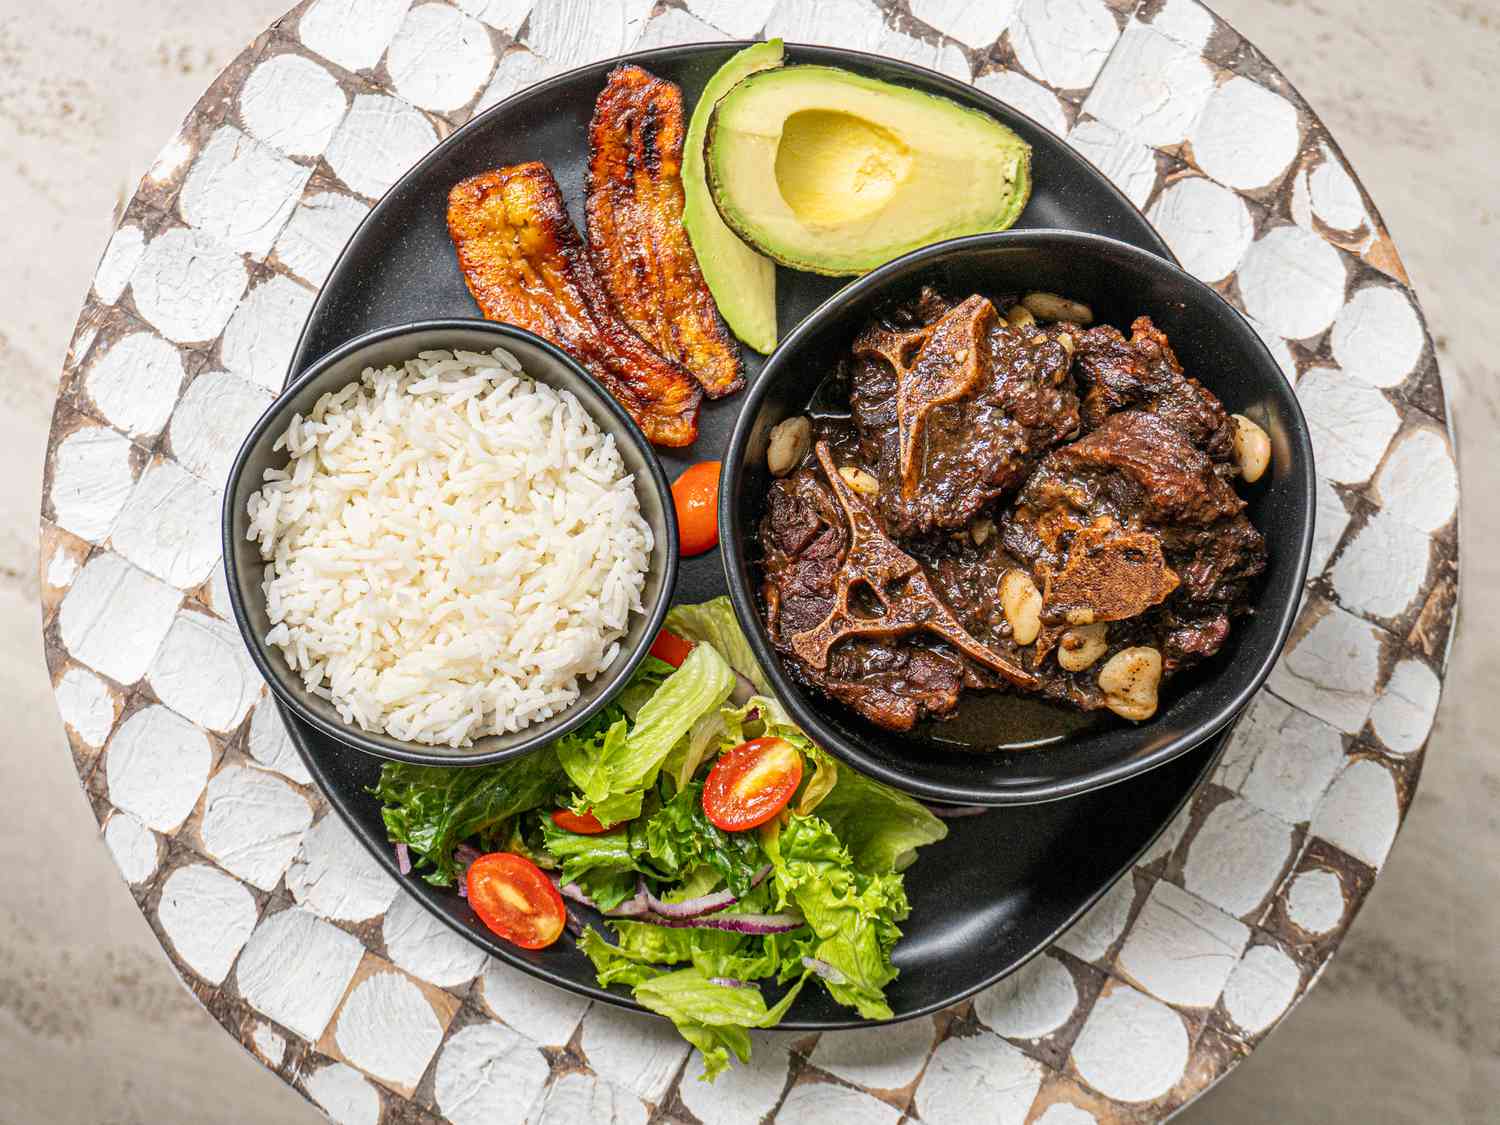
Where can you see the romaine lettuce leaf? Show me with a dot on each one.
(625, 964)
(603, 866)
(578, 853)
(613, 776)
(689, 753)
(640, 948)
(674, 843)
(643, 685)
(816, 787)
(714, 1042)
(699, 882)
(762, 717)
(881, 827)
(586, 762)
(714, 1017)
(713, 622)
(716, 952)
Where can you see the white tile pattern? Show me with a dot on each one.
(1160, 103)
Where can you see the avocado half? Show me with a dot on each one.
(828, 171)
(743, 283)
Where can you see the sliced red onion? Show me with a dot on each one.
(743, 691)
(955, 812)
(728, 982)
(824, 970)
(571, 922)
(465, 854)
(697, 907)
(691, 907)
(403, 859)
(572, 891)
(463, 889)
(735, 923)
(632, 907)
(646, 907)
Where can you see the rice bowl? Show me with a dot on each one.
(452, 549)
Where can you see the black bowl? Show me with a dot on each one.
(395, 345)
(1215, 344)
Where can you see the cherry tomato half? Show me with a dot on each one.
(515, 900)
(696, 495)
(671, 648)
(585, 824)
(752, 783)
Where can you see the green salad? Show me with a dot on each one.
(718, 930)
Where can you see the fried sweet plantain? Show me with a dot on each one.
(525, 264)
(635, 230)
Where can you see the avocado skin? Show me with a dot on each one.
(742, 281)
(806, 260)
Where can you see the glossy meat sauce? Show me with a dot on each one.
(969, 447)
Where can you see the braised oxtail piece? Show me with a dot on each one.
(956, 409)
(869, 590)
(1013, 503)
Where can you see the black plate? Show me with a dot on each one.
(1002, 885)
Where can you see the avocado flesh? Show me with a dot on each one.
(826, 170)
(743, 282)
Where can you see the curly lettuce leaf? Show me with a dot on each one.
(679, 839)
(853, 913)
(603, 866)
(433, 809)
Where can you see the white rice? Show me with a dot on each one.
(451, 550)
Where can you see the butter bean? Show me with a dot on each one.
(1129, 680)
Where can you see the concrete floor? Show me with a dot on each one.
(94, 1028)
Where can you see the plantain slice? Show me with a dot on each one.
(635, 230)
(525, 264)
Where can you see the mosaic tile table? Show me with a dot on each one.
(334, 977)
